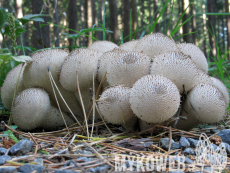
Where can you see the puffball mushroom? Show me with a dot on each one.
(154, 44)
(154, 98)
(115, 107)
(29, 108)
(127, 68)
(196, 55)
(85, 62)
(130, 45)
(8, 87)
(179, 68)
(103, 46)
(36, 75)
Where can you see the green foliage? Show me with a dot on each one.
(10, 134)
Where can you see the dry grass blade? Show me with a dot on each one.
(100, 86)
(83, 108)
(170, 138)
(93, 105)
(52, 81)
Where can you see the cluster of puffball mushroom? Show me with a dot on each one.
(149, 81)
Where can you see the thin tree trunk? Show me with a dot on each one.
(193, 12)
(211, 25)
(41, 36)
(228, 26)
(19, 14)
(89, 20)
(204, 32)
(134, 15)
(100, 20)
(155, 7)
(186, 25)
(113, 20)
(56, 21)
(82, 21)
(150, 11)
(72, 19)
(126, 19)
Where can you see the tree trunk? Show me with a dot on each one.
(211, 25)
(113, 20)
(134, 15)
(193, 12)
(126, 19)
(19, 14)
(56, 21)
(186, 25)
(72, 19)
(89, 20)
(100, 20)
(204, 32)
(228, 26)
(155, 7)
(150, 11)
(82, 21)
(41, 36)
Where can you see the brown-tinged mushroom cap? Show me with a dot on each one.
(36, 75)
(130, 45)
(29, 108)
(103, 46)
(114, 105)
(154, 44)
(127, 68)
(154, 98)
(196, 55)
(145, 125)
(222, 88)
(8, 87)
(179, 68)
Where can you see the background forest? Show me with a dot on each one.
(77, 23)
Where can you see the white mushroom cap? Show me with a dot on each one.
(54, 120)
(222, 88)
(154, 44)
(36, 75)
(103, 46)
(8, 87)
(208, 103)
(154, 98)
(114, 105)
(196, 55)
(127, 68)
(29, 108)
(179, 68)
(130, 45)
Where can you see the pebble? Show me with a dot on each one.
(175, 145)
(224, 134)
(64, 171)
(164, 143)
(193, 142)
(8, 170)
(71, 163)
(39, 161)
(28, 168)
(184, 142)
(188, 151)
(3, 151)
(4, 158)
(99, 169)
(21, 148)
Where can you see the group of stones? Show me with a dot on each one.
(145, 81)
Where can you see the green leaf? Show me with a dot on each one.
(22, 58)
(13, 127)
(19, 31)
(2, 19)
(5, 56)
(32, 17)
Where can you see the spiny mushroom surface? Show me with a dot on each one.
(29, 108)
(127, 68)
(36, 75)
(8, 87)
(154, 44)
(154, 98)
(179, 68)
(130, 45)
(103, 46)
(115, 107)
(196, 55)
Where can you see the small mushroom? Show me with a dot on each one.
(196, 55)
(115, 107)
(154, 98)
(154, 44)
(8, 87)
(103, 46)
(127, 68)
(130, 45)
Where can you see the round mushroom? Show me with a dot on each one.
(115, 107)
(154, 44)
(154, 98)
(103, 46)
(130, 45)
(196, 55)
(8, 87)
